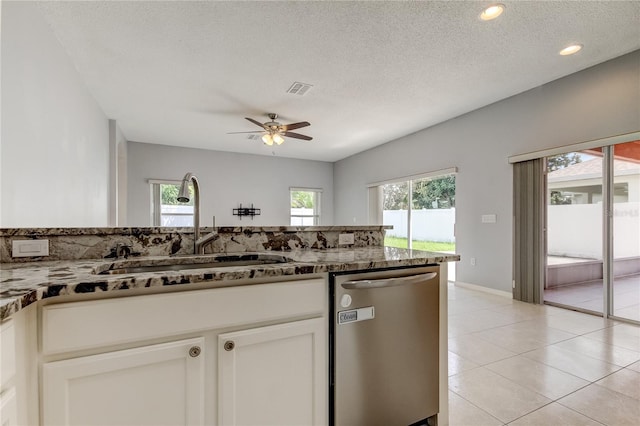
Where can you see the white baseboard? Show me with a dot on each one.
(484, 289)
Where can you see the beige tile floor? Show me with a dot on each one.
(513, 363)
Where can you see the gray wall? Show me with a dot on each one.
(226, 180)
(55, 138)
(598, 102)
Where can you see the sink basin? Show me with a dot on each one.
(199, 262)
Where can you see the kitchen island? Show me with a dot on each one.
(202, 338)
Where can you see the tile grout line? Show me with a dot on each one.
(479, 408)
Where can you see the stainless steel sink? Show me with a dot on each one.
(198, 262)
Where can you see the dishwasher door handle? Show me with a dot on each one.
(388, 282)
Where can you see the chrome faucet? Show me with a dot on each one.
(183, 197)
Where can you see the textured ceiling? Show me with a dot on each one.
(186, 73)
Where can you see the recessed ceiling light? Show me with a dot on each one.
(570, 50)
(492, 12)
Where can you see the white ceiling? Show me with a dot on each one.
(186, 73)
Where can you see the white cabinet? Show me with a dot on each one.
(126, 361)
(153, 385)
(273, 375)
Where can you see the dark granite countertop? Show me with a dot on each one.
(22, 284)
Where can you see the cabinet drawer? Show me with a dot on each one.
(84, 325)
(7, 353)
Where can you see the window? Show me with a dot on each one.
(165, 208)
(420, 208)
(305, 206)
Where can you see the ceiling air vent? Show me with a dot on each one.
(254, 137)
(298, 88)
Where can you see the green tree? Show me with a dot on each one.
(558, 162)
(302, 199)
(169, 194)
(396, 196)
(558, 198)
(563, 160)
(439, 193)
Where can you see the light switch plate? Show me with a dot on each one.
(29, 248)
(345, 239)
(489, 218)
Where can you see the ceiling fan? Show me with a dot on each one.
(274, 132)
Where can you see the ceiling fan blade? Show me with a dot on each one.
(234, 133)
(294, 126)
(297, 136)
(257, 123)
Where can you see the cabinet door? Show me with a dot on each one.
(153, 385)
(275, 375)
(8, 408)
(7, 354)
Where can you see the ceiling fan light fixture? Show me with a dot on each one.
(492, 12)
(275, 132)
(267, 139)
(277, 139)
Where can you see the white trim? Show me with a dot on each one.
(596, 143)
(164, 182)
(155, 203)
(449, 171)
(375, 200)
(298, 188)
(483, 289)
(112, 215)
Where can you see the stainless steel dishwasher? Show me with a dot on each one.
(384, 347)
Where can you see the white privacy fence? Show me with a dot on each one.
(176, 215)
(575, 230)
(428, 225)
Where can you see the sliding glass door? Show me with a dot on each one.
(593, 230)
(625, 290)
(422, 213)
(574, 231)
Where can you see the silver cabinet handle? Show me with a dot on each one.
(388, 282)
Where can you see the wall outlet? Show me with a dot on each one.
(29, 248)
(345, 239)
(473, 261)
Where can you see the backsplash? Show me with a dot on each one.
(100, 243)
